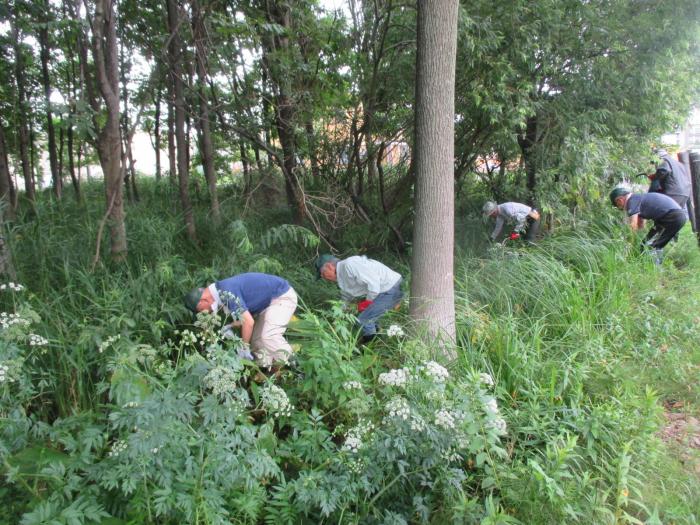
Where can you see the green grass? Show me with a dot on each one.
(585, 340)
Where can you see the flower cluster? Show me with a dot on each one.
(445, 419)
(275, 400)
(131, 404)
(15, 287)
(187, 337)
(417, 423)
(486, 379)
(37, 340)
(496, 422)
(395, 377)
(352, 385)
(4, 374)
(356, 436)
(104, 345)
(395, 331)
(117, 448)
(221, 380)
(436, 372)
(9, 319)
(398, 408)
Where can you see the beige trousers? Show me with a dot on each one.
(268, 342)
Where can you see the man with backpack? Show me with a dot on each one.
(671, 178)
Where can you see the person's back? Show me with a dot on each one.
(673, 179)
(653, 206)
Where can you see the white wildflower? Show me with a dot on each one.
(352, 444)
(491, 406)
(131, 404)
(155, 450)
(37, 340)
(104, 345)
(445, 419)
(356, 436)
(395, 377)
(395, 331)
(4, 373)
(352, 385)
(221, 380)
(398, 408)
(11, 319)
(417, 423)
(436, 372)
(486, 379)
(117, 448)
(499, 425)
(275, 401)
(15, 287)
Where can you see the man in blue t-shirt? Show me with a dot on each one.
(261, 304)
(667, 215)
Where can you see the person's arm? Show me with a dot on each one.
(497, 229)
(247, 323)
(636, 222)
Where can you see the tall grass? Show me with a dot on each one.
(585, 339)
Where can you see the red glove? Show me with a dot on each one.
(514, 236)
(363, 305)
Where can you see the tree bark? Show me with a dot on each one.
(23, 110)
(104, 50)
(207, 147)
(528, 142)
(176, 72)
(46, 81)
(172, 154)
(6, 189)
(432, 264)
(156, 130)
(694, 162)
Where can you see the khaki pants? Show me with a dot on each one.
(268, 342)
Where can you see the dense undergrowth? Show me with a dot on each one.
(116, 408)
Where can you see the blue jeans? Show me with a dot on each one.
(381, 305)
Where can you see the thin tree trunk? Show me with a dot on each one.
(46, 81)
(156, 130)
(528, 142)
(176, 72)
(172, 154)
(23, 112)
(71, 163)
(207, 147)
(432, 265)
(104, 49)
(6, 186)
(247, 179)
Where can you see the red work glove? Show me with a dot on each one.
(514, 236)
(363, 305)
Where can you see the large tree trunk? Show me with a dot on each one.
(176, 72)
(432, 264)
(46, 81)
(172, 153)
(206, 144)
(23, 109)
(104, 50)
(285, 107)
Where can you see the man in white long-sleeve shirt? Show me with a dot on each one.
(359, 277)
(525, 218)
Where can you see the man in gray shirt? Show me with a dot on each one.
(359, 277)
(671, 178)
(525, 218)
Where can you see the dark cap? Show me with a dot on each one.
(192, 299)
(323, 259)
(618, 192)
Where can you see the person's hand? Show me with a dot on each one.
(244, 352)
(226, 332)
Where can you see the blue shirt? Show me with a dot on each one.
(250, 291)
(650, 205)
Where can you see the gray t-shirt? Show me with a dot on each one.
(650, 205)
(511, 212)
(359, 276)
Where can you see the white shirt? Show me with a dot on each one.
(359, 276)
